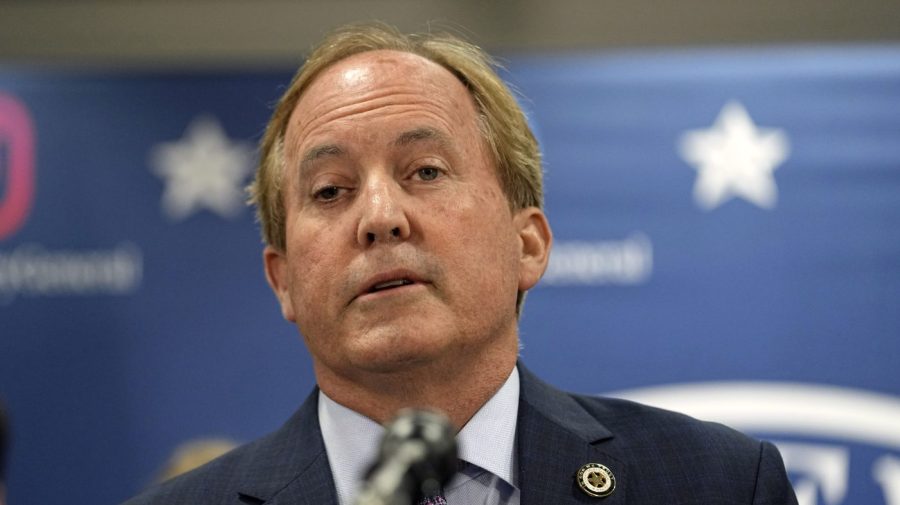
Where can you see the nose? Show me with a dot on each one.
(384, 217)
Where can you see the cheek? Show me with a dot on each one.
(486, 241)
(308, 258)
(312, 295)
(489, 220)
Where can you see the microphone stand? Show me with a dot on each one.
(417, 457)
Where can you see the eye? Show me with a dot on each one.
(327, 193)
(428, 173)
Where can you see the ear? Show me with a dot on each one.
(535, 238)
(275, 265)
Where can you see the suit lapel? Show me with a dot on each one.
(291, 466)
(556, 437)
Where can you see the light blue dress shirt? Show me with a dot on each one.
(487, 448)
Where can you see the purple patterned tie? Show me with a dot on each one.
(433, 500)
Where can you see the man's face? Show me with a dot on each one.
(401, 248)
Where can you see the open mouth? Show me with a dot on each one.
(400, 279)
(382, 286)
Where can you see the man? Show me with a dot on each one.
(399, 193)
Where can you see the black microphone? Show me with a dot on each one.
(416, 458)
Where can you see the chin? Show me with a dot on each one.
(395, 352)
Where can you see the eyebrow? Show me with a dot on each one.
(421, 134)
(318, 152)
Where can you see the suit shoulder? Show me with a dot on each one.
(214, 482)
(254, 471)
(209, 483)
(672, 447)
(640, 425)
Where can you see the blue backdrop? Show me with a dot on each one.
(727, 227)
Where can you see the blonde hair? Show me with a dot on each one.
(503, 124)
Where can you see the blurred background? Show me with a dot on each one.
(723, 179)
(268, 33)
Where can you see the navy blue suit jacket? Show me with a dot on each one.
(656, 456)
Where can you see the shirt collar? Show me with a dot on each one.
(351, 442)
(487, 440)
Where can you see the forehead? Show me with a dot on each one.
(381, 83)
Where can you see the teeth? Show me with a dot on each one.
(390, 284)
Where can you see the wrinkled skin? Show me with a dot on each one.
(388, 178)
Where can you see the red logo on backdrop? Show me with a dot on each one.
(16, 164)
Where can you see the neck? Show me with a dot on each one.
(457, 387)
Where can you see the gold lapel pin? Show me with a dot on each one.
(596, 480)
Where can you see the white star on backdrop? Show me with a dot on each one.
(204, 169)
(735, 158)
